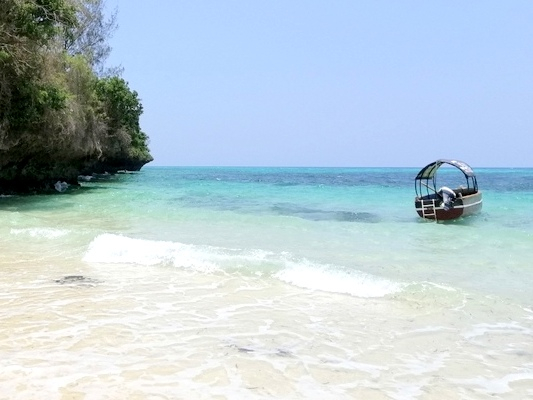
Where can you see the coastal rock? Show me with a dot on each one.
(39, 174)
(61, 186)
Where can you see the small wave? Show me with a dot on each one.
(117, 249)
(329, 279)
(48, 233)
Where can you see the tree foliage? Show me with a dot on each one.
(28, 87)
(89, 37)
(54, 100)
(122, 108)
(41, 20)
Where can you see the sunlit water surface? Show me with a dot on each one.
(201, 283)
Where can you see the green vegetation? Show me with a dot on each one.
(61, 112)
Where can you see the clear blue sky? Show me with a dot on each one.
(331, 82)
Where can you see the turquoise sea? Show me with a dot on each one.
(265, 283)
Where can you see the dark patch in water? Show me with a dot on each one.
(284, 353)
(77, 280)
(277, 352)
(284, 184)
(325, 215)
(356, 216)
(242, 349)
(245, 350)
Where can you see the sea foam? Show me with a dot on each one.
(331, 279)
(48, 233)
(118, 249)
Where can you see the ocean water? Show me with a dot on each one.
(266, 283)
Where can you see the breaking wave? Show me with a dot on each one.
(117, 249)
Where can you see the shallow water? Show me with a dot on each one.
(265, 283)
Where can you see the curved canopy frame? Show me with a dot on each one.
(429, 175)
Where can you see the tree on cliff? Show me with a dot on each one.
(123, 109)
(56, 119)
(90, 36)
(28, 92)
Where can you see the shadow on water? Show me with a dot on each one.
(324, 215)
(34, 202)
(56, 200)
(49, 200)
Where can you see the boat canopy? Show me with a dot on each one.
(426, 180)
(429, 171)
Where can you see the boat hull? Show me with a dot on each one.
(429, 207)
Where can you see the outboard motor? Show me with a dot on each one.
(448, 197)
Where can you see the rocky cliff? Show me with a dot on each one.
(61, 113)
